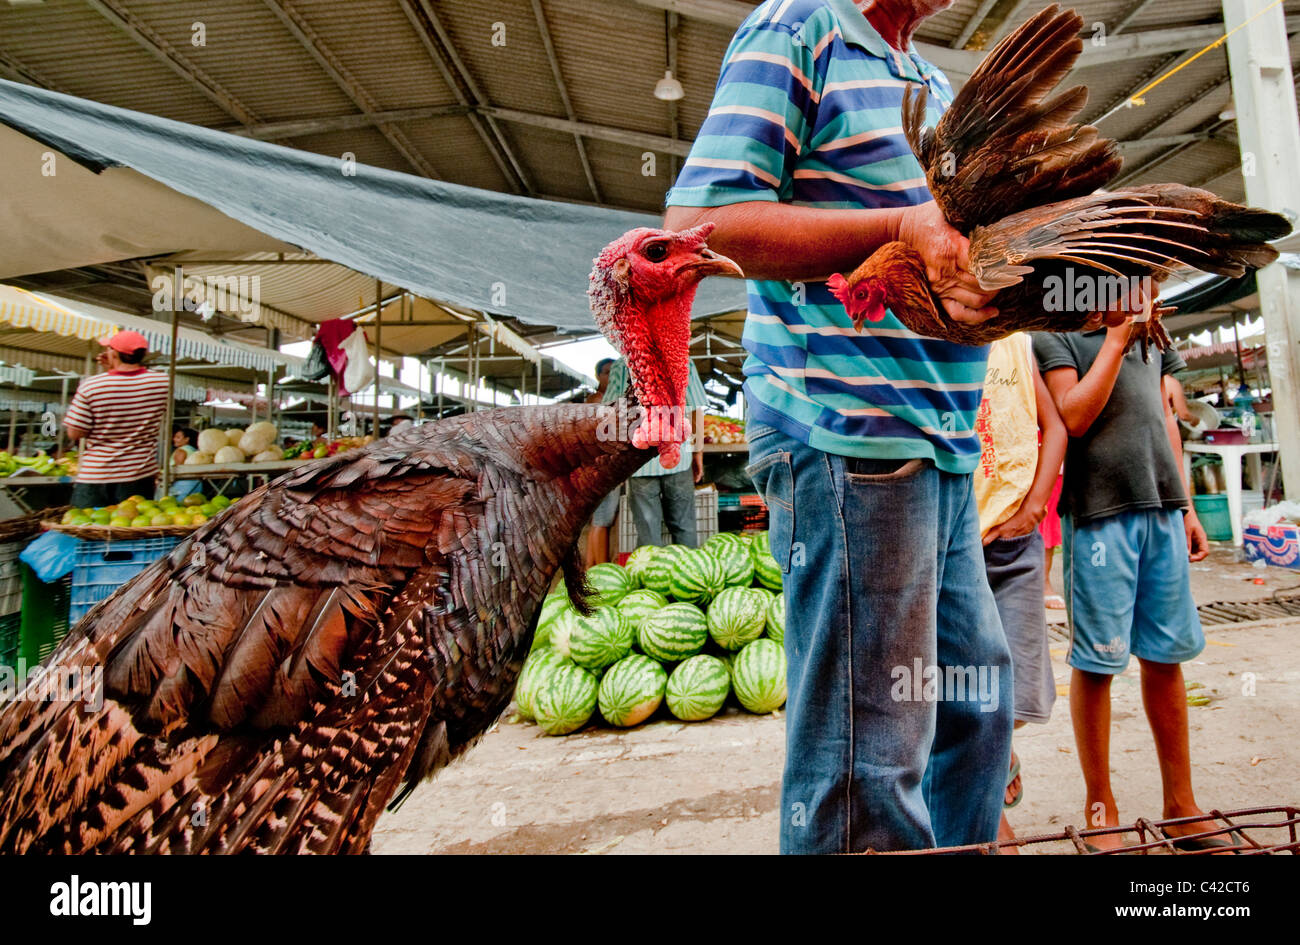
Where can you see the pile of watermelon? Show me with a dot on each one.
(679, 627)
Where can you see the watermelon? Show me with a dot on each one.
(610, 584)
(553, 606)
(697, 688)
(540, 663)
(564, 698)
(766, 569)
(736, 617)
(724, 538)
(737, 566)
(640, 604)
(776, 618)
(600, 640)
(560, 630)
(631, 690)
(658, 573)
(697, 577)
(637, 562)
(758, 676)
(675, 633)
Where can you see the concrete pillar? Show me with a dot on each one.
(1264, 97)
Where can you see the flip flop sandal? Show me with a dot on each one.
(1011, 776)
(1054, 602)
(1197, 844)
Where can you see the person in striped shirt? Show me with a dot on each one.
(898, 724)
(118, 414)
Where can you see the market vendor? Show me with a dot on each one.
(118, 414)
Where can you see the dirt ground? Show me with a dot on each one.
(714, 787)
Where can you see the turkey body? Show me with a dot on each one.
(332, 638)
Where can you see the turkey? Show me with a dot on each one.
(350, 628)
(1011, 171)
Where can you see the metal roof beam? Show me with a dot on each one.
(475, 97)
(269, 130)
(972, 24)
(16, 71)
(117, 14)
(544, 28)
(307, 37)
(1129, 15)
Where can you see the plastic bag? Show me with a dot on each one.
(359, 372)
(317, 365)
(51, 556)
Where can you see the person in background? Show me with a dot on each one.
(1177, 397)
(1050, 529)
(657, 495)
(317, 431)
(184, 440)
(1022, 446)
(400, 421)
(117, 415)
(607, 511)
(1129, 534)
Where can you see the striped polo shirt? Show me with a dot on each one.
(695, 397)
(808, 112)
(121, 412)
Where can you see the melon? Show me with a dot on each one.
(258, 437)
(561, 630)
(564, 699)
(631, 690)
(776, 618)
(697, 577)
(198, 458)
(676, 632)
(229, 454)
(733, 554)
(737, 616)
(697, 688)
(212, 440)
(540, 662)
(641, 604)
(766, 569)
(658, 572)
(271, 455)
(233, 436)
(609, 583)
(758, 676)
(600, 640)
(637, 562)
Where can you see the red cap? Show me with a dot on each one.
(126, 341)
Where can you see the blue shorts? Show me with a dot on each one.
(1128, 590)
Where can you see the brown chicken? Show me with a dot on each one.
(1013, 172)
(347, 630)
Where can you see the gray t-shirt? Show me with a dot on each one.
(1124, 460)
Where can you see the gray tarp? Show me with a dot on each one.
(491, 252)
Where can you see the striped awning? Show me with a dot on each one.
(20, 309)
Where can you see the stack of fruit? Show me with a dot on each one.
(681, 627)
(224, 447)
(319, 449)
(723, 430)
(139, 512)
(40, 464)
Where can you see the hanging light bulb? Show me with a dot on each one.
(668, 89)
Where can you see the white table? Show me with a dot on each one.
(1231, 454)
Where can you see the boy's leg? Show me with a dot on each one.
(679, 507)
(859, 553)
(647, 511)
(1100, 563)
(965, 780)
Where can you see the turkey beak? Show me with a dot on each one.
(710, 263)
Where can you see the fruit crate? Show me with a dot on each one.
(11, 578)
(10, 634)
(706, 520)
(104, 566)
(45, 615)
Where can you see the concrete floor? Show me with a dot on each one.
(714, 787)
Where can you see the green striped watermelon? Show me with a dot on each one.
(658, 573)
(637, 562)
(697, 577)
(733, 555)
(697, 688)
(675, 633)
(553, 606)
(631, 690)
(766, 569)
(540, 663)
(758, 676)
(776, 618)
(610, 584)
(600, 640)
(561, 630)
(640, 604)
(564, 698)
(736, 617)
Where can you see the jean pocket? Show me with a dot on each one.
(866, 472)
(773, 477)
(757, 431)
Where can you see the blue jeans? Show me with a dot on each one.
(898, 722)
(658, 500)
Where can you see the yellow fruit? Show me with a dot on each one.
(140, 521)
(193, 500)
(180, 518)
(198, 518)
(160, 519)
(120, 521)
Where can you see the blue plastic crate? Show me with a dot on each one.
(104, 566)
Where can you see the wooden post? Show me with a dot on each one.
(13, 421)
(437, 383)
(379, 351)
(171, 394)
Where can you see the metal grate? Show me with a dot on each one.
(1255, 830)
(1226, 613)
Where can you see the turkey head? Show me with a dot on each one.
(642, 288)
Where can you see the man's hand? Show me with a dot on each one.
(697, 463)
(1198, 544)
(1024, 521)
(947, 263)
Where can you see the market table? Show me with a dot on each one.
(1231, 454)
(15, 488)
(232, 471)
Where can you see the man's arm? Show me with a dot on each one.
(1081, 400)
(1174, 394)
(1198, 543)
(779, 241)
